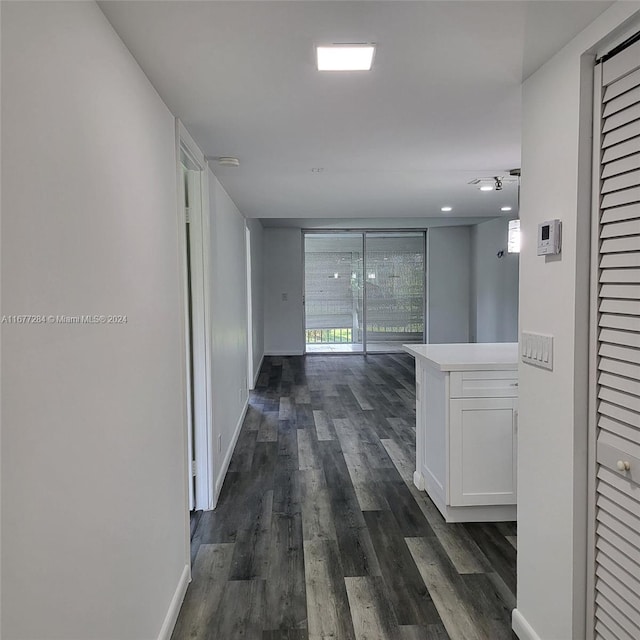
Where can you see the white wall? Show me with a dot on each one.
(94, 500)
(556, 153)
(494, 284)
(257, 292)
(448, 289)
(283, 277)
(228, 325)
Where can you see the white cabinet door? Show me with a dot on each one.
(483, 451)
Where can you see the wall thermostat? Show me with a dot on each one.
(549, 238)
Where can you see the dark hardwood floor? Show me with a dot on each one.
(319, 532)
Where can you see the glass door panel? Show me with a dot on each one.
(334, 292)
(394, 279)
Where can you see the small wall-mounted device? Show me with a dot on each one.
(549, 238)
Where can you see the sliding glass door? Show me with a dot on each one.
(394, 290)
(333, 292)
(364, 292)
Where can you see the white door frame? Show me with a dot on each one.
(249, 268)
(199, 228)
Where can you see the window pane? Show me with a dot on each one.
(333, 292)
(395, 290)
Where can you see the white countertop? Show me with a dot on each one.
(481, 356)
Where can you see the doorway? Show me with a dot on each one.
(364, 291)
(193, 192)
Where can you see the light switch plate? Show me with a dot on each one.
(537, 349)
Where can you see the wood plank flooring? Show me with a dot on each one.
(319, 532)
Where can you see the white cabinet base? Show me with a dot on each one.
(484, 513)
(466, 429)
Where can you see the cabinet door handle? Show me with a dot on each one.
(623, 465)
(515, 421)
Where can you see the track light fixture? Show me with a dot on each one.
(498, 183)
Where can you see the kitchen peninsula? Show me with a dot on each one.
(466, 428)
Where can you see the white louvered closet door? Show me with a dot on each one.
(617, 438)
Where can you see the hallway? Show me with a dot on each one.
(319, 531)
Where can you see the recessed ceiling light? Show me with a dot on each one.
(446, 209)
(486, 187)
(505, 208)
(345, 57)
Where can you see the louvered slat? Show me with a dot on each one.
(630, 114)
(609, 621)
(620, 275)
(612, 509)
(623, 181)
(620, 245)
(609, 320)
(621, 134)
(622, 101)
(622, 64)
(628, 212)
(621, 399)
(619, 198)
(620, 603)
(618, 413)
(627, 338)
(619, 576)
(620, 368)
(626, 616)
(608, 538)
(619, 353)
(621, 150)
(616, 575)
(627, 83)
(628, 385)
(602, 633)
(619, 428)
(630, 307)
(631, 291)
(628, 163)
(619, 530)
(605, 546)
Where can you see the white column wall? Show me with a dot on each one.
(94, 499)
(449, 284)
(283, 278)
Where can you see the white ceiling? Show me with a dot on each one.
(440, 107)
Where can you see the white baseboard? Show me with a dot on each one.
(176, 602)
(522, 628)
(285, 352)
(418, 480)
(228, 454)
(257, 373)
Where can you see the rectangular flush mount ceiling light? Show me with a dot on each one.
(345, 57)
